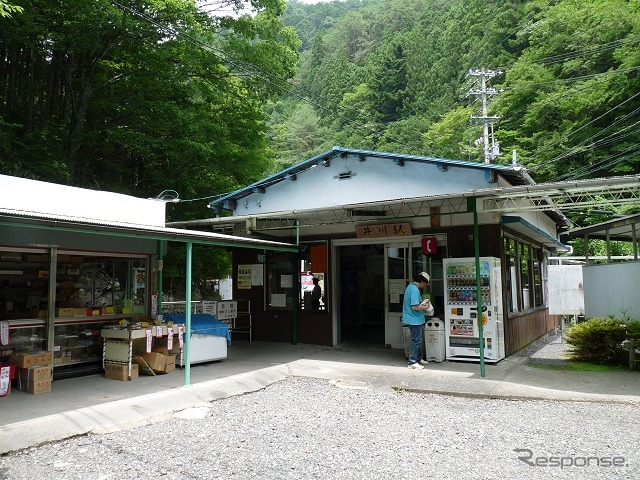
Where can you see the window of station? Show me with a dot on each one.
(523, 275)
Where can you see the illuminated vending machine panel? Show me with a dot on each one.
(461, 309)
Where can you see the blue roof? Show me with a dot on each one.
(514, 174)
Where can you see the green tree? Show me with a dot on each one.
(389, 81)
(6, 9)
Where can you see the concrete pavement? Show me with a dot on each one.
(94, 404)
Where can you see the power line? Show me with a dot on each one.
(256, 72)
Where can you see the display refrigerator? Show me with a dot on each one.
(462, 334)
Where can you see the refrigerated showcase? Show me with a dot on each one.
(461, 309)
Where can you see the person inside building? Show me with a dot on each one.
(414, 310)
(316, 294)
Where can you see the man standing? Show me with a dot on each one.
(413, 313)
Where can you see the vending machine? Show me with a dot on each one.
(461, 309)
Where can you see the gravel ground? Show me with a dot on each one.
(304, 428)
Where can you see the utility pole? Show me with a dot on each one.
(488, 141)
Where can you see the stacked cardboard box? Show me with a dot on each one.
(34, 379)
(34, 371)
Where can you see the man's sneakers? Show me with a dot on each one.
(418, 365)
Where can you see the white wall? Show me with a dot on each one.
(612, 289)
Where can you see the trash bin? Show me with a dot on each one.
(406, 340)
(434, 340)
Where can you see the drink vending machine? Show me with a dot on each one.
(461, 309)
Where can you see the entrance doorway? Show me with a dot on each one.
(360, 288)
(370, 283)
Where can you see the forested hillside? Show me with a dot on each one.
(139, 97)
(392, 75)
(203, 97)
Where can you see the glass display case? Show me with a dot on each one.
(62, 302)
(24, 284)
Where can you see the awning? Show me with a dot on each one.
(520, 225)
(144, 232)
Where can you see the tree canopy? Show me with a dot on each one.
(139, 97)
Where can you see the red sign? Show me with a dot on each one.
(429, 245)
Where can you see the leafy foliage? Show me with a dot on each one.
(569, 106)
(602, 340)
(138, 97)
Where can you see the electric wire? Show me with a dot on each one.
(285, 86)
(254, 71)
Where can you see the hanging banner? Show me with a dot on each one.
(149, 340)
(4, 380)
(158, 331)
(181, 335)
(169, 338)
(154, 305)
(4, 332)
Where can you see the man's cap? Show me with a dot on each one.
(425, 276)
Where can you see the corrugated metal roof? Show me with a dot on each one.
(626, 229)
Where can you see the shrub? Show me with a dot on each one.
(599, 340)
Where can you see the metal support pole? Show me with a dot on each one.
(187, 333)
(295, 314)
(161, 244)
(476, 245)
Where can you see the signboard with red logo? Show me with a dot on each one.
(429, 245)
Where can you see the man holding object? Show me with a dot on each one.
(413, 315)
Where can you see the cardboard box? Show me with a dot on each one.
(155, 360)
(64, 312)
(162, 350)
(94, 312)
(109, 310)
(34, 374)
(117, 371)
(31, 359)
(40, 386)
(170, 364)
(79, 312)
